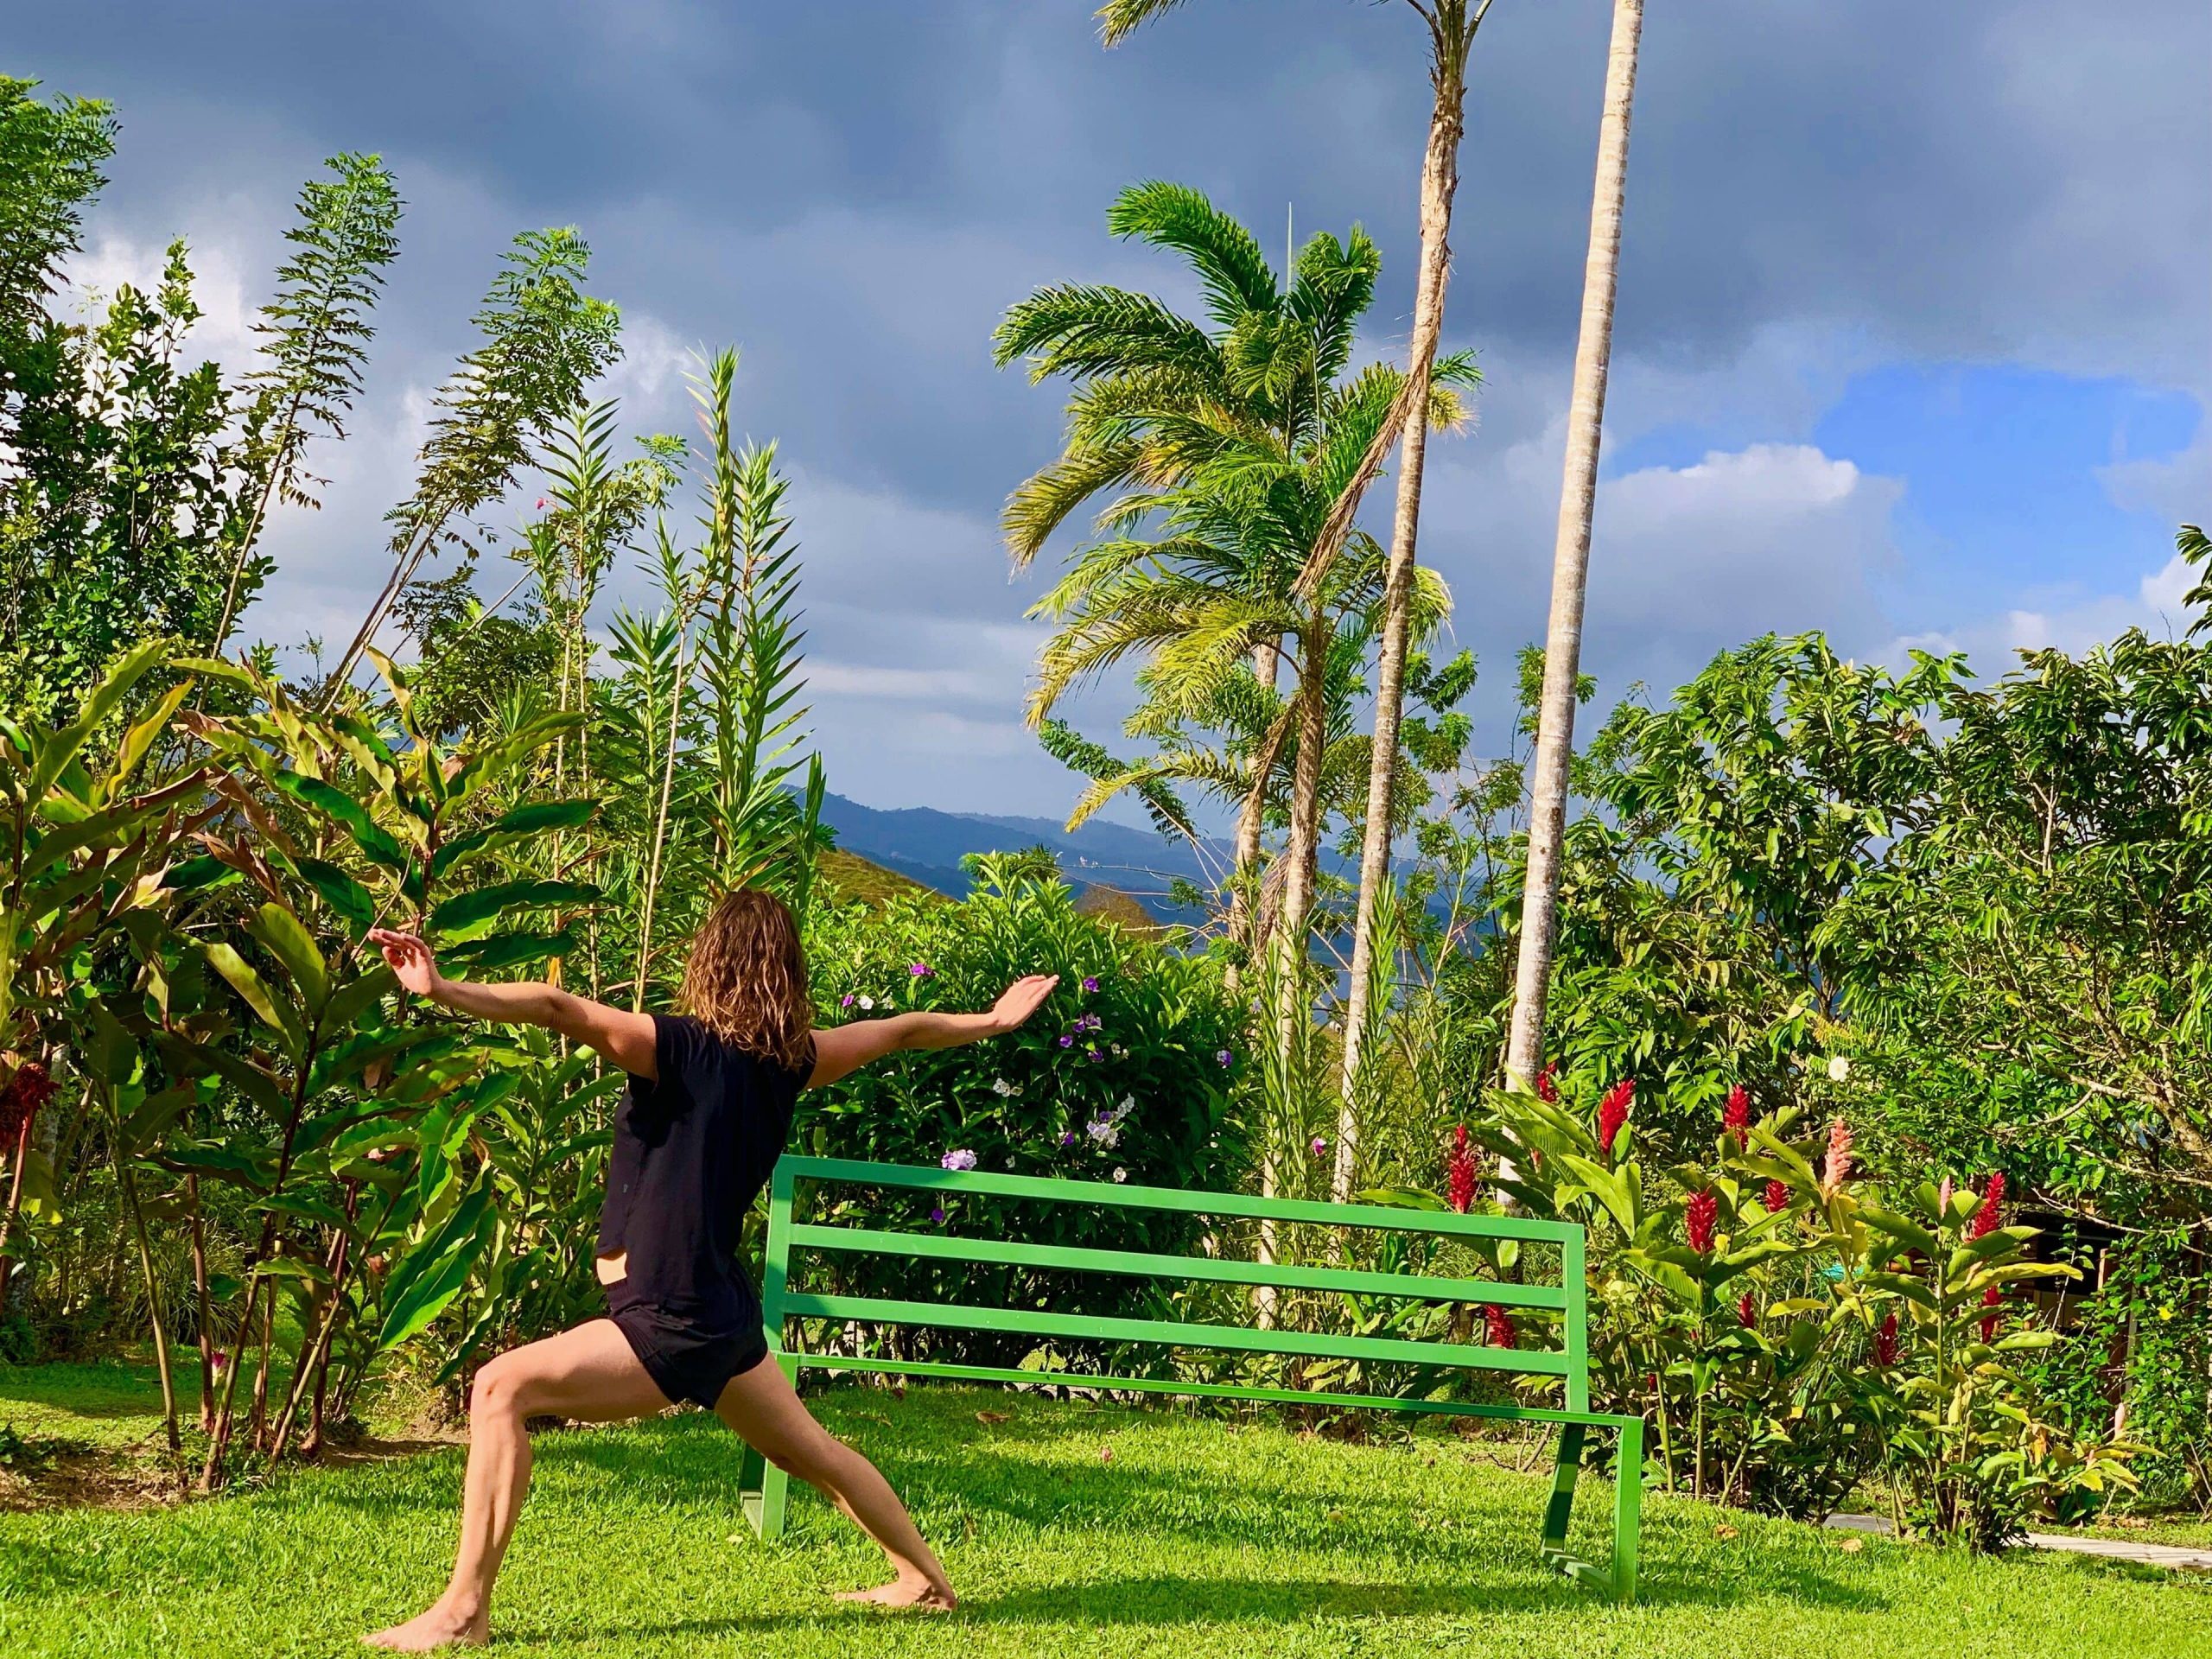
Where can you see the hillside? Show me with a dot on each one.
(925, 846)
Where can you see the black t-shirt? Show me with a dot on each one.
(691, 1152)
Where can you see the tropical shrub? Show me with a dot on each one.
(1128, 1073)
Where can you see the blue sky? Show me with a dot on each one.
(1913, 342)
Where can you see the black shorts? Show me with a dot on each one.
(685, 1361)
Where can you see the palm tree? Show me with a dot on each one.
(1452, 27)
(1571, 552)
(1148, 379)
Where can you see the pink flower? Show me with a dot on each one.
(1987, 1219)
(1320, 1146)
(1837, 1170)
(920, 969)
(1546, 1087)
(541, 504)
(1886, 1342)
(1991, 1298)
(1736, 1118)
(1944, 1198)
(1775, 1198)
(1699, 1218)
(1497, 1326)
(1612, 1112)
(1748, 1314)
(1459, 1173)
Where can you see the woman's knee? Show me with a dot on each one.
(814, 1459)
(500, 1390)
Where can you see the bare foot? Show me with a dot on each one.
(918, 1594)
(438, 1627)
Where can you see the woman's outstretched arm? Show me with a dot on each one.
(842, 1050)
(625, 1038)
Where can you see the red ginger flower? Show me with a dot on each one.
(1886, 1342)
(1775, 1198)
(1546, 1087)
(1612, 1112)
(1838, 1168)
(1746, 1313)
(1699, 1216)
(1736, 1119)
(20, 1103)
(1497, 1326)
(1459, 1173)
(1991, 1298)
(1987, 1219)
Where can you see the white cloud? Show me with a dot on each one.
(2071, 624)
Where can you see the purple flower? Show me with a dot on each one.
(1068, 1140)
(1091, 984)
(1223, 1056)
(958, 1158)
(846, 1001)
(1066, 1041)
(920, 969)
(937, 1216)
(1320, 1146)
(1094, 1054)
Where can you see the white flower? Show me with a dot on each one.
(1839, 1068)
(959, 1157)
(1104, 1130)
(1121, 1174)
(1128, 1104)
(1002, 1089)
(867, 1002)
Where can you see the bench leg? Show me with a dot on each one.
(1628, 1509)
(1561, 1507)
(764, 1489)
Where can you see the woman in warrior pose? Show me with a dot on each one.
(709, 1105)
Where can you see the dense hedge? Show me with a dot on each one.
(1128, 1072)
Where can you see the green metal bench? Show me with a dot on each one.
(764, 1487)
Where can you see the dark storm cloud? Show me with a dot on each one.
(855, 191)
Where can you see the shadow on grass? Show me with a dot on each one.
(1488, 1560)
(1169, 1600)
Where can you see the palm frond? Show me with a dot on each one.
(1234, 273)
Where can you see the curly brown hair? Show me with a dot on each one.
(746, 980)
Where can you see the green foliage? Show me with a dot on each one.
(1121, 1070)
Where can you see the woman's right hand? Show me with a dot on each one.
(408, 958)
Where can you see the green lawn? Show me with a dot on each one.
(1196, 1537)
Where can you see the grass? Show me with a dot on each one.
(1198, 1537)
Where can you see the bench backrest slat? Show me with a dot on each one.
(1570, 1362)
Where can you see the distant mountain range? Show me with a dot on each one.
(926, 846)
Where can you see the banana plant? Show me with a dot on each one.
(82, 847)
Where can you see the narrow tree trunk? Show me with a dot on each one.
(201, 1318)
(1439, 180)
(1571, 554)
(127, 1190)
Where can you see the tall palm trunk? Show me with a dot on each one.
(1300, 856)
(1244, 851)
(1452, 33)
(1571, 553)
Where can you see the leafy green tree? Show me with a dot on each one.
(315, 334)
(545, 340)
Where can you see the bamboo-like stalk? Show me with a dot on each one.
(127, 1190)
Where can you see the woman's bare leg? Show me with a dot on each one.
(589, 1374)
(763, 1408)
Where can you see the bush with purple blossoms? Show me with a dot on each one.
(1117, 1077)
